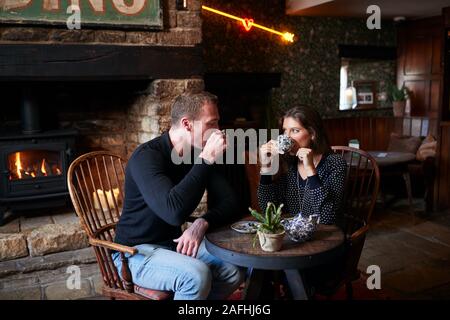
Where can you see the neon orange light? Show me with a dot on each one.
(249, 23)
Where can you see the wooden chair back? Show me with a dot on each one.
(360, 195)
(95, 182)
(361, 189)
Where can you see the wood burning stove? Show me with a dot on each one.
(34, 163)
(33, 169)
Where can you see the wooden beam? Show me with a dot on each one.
(367, 52)
(42, 62)
(243, 80)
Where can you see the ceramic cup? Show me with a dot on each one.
(285, 143)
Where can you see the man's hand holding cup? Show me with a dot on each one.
(214, 147)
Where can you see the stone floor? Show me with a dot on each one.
(50, 277)
(412, 250)
(38, 254)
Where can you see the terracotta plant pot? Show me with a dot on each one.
(399, 108)
(270, 242)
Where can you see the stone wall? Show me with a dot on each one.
(116, 120)
(181, 28)
(149, 116)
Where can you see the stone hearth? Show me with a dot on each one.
(35, 252)
(40, 235)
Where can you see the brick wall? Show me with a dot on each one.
(149, 116)
(181, 28)
(117, 121)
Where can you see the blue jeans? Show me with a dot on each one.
(204, 277)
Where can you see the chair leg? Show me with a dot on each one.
(126, 274)
(349, 290)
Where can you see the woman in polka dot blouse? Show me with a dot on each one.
(311, 178)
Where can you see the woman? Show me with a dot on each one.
(313, 178)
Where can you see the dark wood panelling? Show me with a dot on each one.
(418, 55)
(419, 91)
(374, 133)
(435, 90)
(419, 64)
(436, 66)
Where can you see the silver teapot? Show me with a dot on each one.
(301, 228)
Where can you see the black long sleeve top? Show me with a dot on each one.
(320, 194)
(160, 195)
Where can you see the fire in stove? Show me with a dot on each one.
(34, 164)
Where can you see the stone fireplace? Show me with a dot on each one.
(114, 89)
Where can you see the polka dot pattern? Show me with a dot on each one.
(321, 194)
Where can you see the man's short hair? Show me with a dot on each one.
(190, 105)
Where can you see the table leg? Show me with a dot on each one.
(253, 284)
(407, 179)
(296, 285)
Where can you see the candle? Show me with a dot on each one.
(349, 96)
(109, 201)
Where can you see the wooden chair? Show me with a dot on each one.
(361, 191)
(95, 182)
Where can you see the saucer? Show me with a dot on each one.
(245, 226)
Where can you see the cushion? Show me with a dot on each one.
(152, 294)
(427, 148)
(401, 143)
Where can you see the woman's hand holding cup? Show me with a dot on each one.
(267, 153)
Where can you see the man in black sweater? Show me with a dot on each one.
(160, 195)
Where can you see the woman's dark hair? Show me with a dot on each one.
(310, 119)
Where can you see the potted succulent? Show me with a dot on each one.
(398, 96)
(270, 230)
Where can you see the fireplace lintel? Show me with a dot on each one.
(44, 62)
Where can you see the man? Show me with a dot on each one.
(160, 195)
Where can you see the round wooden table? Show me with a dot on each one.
(237, 248)
(392, 158)
(393, 163)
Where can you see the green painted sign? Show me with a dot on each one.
(109, 13)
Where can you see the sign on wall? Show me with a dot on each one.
(109, 13)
